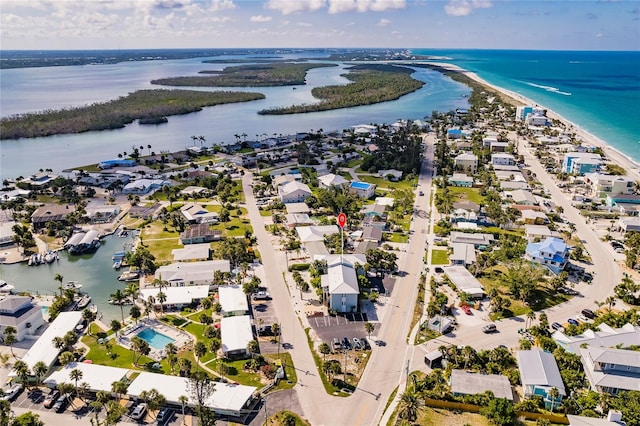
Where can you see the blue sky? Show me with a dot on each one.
(490, 24)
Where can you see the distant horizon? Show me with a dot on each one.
(314, 48)
(588, 25)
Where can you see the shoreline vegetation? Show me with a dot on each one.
(152, 106)
(264, 75)
(370, 84)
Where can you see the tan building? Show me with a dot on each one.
(466, 162)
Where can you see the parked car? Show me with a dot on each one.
(139, 411)
(265, 330)
(337, 346)
(568, 291)
(261, 295)
(489, 328)
(588, 313)
(164, 415)
(346, 343)
(356, 343)
(11, 393)
(466, 309)
(61, 404)
(51, 398)
(557, 326)
(573, 322)
(583, 318)
(421, 193)
(365, 344)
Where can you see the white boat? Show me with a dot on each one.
(50, 256)
(84, 301)
(129, 276)
(117, 264)
(94, 308)
(6, 288)
(71, 285)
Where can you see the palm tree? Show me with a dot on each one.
(40, 370)
(368, 328)
(116, 326)
(554, 394)
(162, 297)
(75, 375)
(253, 347)
(83, 390)
(22, 371)
(66, 358)
(119, 388)
(409, 405)
(88, 316)
(531, 316)
(182, 399)
(324, 349)
(65, 389)
(59, 278)
(119, 297)
(10, 338)
(199, 350)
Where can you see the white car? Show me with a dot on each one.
(582, 318)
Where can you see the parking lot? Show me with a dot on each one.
(328, 328)
(78, 410)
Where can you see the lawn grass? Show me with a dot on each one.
(265, 212)
(470, 194)
(117, 356)
(396, 237)
(283, 418)
(328, 386)
(428, 416)
(238, 373)
(418, 307)
(383, 183)
(440, 257)
(289, 370)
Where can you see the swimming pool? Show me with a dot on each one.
(154, 339)
(360, 185)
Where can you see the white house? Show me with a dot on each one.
(609, 184)
(195, 213)
(503, 159)
(192, 253)
(18, 312)
(627, 224)
(464, 281)
(466, 162)
(145, 186)
(395, 175)
(611, 370)
(191, 273)
(176, 297)
(363, 189)
(236, 334)
(232, 300)
(331, 180)
(293, 192)
(340, 284)
(539, 374)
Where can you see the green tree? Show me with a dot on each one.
(500, 412)
(324, 349)
(119, 297)
(27, 419)
(59, 279)
(10, 338)
(201, 389)
(139, 347)
(199, 350)
(75, 375)
(369, 328)
(135, 313)
(409, 405)
(40, 370)
(116, 326)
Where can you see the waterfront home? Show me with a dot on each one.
(192, 253)
(200, 233)
(195, 213)
(536, 120)
(340, 286)
(466, 162)
(611, 370)
(608, 184)
(145, 186)
(580, 163)
(375, 209)
(43, 349)
(7, 234)
(539, 374)
(51, 213)
(232, 300)
(118, 162)
(21, 314)
(102, 214)
(236, 333)
(461, 180)
(191, 273)
(465, 383)
(363, 189)
(175, 297)
(144, 211)
(614, 418)
(464, 281)
(552, 253)
(331, 180)
(14, 194)
(503, 159)
(522, 112)
(294, 192)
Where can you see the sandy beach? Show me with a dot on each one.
(615, 156)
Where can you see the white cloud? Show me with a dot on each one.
(383, 22)
(340, 6)
(260, 18)
(465, 7)
(287, 7)
(304, 24)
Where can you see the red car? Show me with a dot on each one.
(466, 309)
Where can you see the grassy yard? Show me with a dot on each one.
(282, 418)
(117, 356)
(470, 194)
(289, 370)
(237, 373)
(440, 257)
(396, 237)
(543, 296)
(383, 183)
(428, 416)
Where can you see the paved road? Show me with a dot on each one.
(607, 275)
(387, 364)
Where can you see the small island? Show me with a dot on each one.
(115, 114)
(371, 83)
(264, 75)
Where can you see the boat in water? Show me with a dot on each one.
(50, 256)
(84, 301)
(125, 301)
(6, 288)
(71, 285)
(94, 308)
(88, 244)
(35, 259)
(129, 276)
(117, 264)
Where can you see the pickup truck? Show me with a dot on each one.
(261, 295)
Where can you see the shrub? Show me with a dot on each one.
(299, 267)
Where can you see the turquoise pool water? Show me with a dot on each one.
(360, 185)
(156, 340)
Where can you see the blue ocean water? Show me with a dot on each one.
(598, 91)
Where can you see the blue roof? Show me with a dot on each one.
(550, 245)
(454, 131)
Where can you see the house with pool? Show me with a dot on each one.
(363, 189)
